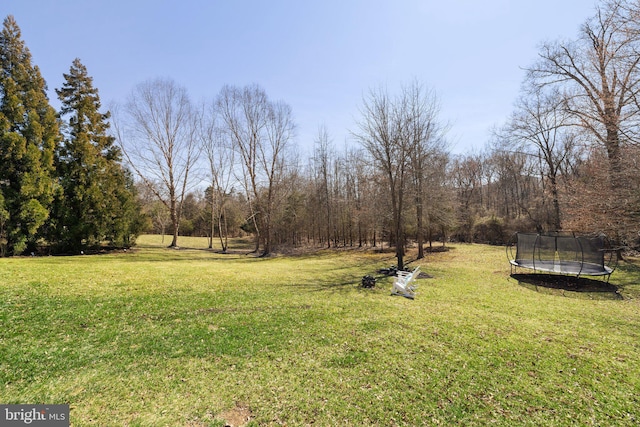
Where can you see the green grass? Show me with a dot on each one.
(161, 337)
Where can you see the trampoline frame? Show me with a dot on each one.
(558, 259)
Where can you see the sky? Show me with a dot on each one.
(320, 57)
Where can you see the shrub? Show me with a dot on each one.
(489, 230)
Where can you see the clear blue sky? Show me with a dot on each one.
(318, 56)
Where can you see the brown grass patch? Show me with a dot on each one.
(237, 416)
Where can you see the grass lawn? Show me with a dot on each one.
(160, 337)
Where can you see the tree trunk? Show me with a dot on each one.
(420, 236)
(223, 231)
(175, 218)
(213, 219)
(556, 203)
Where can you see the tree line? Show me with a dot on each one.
(565, 159)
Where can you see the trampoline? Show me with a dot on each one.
(559, 253)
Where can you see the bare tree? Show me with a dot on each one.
(425, 134)
(600, 75)
(518, 193)
(466, 179)
(261, 132)
(384, 133)
(440, 215)
(243, 115)
(541, 127)
(403, 135)
(361, 200)
(322, 159)
(158, 139)
(220, 156)
(592, 208)
(276, 158)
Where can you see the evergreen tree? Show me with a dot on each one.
(98, 202)
(28, 136)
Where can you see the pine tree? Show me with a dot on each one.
(28, 136)
(98, 203)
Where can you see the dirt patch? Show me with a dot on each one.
(423, 275)
(237, 416)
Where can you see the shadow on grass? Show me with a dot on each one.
(348, 282)
(344, 279)
(185, 254)
(569, 286)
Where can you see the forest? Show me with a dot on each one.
(81, 178)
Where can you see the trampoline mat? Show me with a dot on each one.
(564, 267)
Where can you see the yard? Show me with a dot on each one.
(189, 337)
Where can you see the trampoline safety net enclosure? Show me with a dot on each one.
(561, 254)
